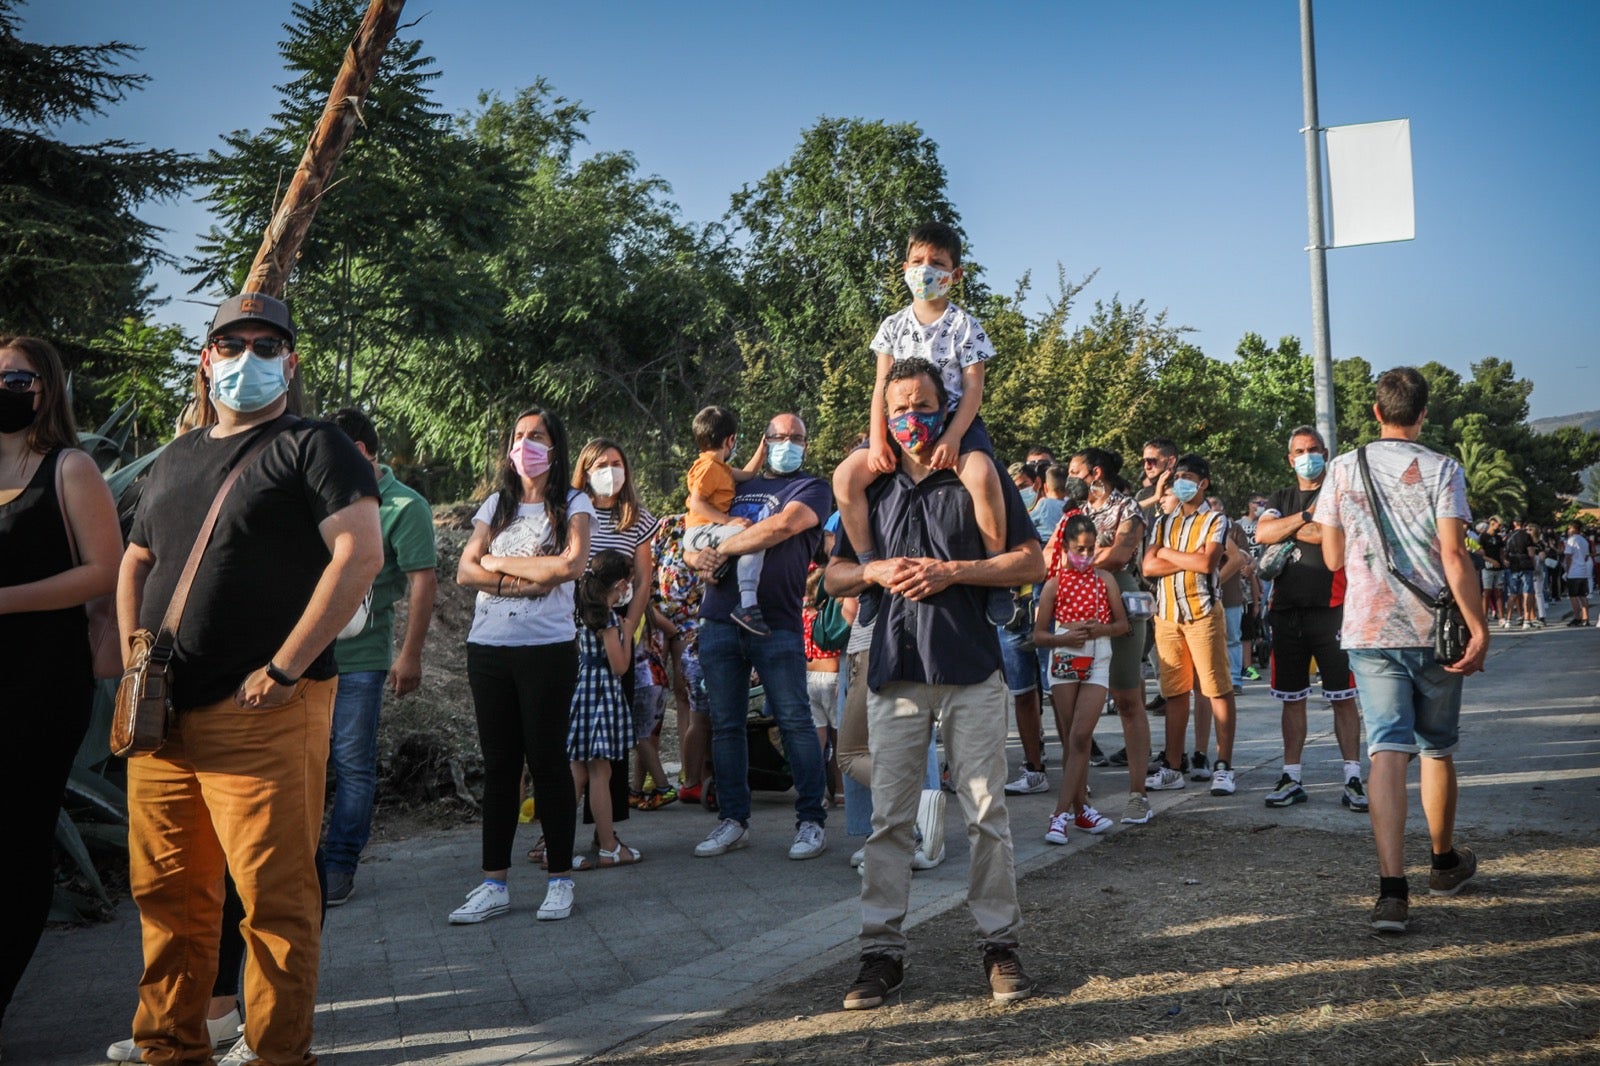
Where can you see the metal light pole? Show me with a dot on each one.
(1322, 358)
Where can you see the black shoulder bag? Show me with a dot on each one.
(1450, 634)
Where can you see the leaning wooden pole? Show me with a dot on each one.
(281, 243)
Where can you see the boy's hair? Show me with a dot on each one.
(906, 369)
(604, 570)
(358, 427)
(1193, 464)
(1165, 445)
(712, 426)
(1055, 477)
(1402, 396)
(937, 235)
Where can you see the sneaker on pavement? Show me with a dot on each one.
(1222, 778)
(1027, 783)
(809, 841)
(690, 793)
(557, 900)
(1200, 769)
(1252, 674)
(749, 619)
(1118, 757)
(1057, 833)
(238, 1055)
(1096, 756)
(1090, 820)
(1007, 980)
(1287, 793)
(223, 1030)
(1157, 705)
(1164, 778)
(1389, 916)
(881, 976)
(484, 902)
(921, 861)
(1449, 882)
(1354, 797)
(340, 884)
(1138, 811)
(857, 858)
(728, 836)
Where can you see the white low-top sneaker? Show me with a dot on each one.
(557, 900)
(484, 902)
(809, 841)
(728, 836)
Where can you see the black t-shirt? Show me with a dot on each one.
(1517, 546)
(1306, 581)
(1494, 547)
(266, 553)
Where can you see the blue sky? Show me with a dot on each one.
(1154, 141)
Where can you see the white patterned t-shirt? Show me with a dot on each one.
(1416, 487)
(952, 343)
(523, 621)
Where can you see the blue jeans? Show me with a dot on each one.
(1405, 697)
(353, 760)
(727, 655)
(1234, 616)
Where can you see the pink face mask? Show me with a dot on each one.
(1079, 562)
(529, 457)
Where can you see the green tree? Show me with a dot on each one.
(74, 253)
(1492, 484)
(156, 367)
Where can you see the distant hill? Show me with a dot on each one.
(1584, 420)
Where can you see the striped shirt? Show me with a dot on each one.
(1185, 596)
(603, 531)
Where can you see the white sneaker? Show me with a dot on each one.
(1057, 833)
(858, 858)
(729, 835)
(1027, 783)
(921, 861)
(1222, 779)
(223, 1030)
(557, 900)
(1164, 777)
(485, 901)
(238, 1055)
(930, 826)
(809, 841)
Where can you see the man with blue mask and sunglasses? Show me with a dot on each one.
(1306, 613)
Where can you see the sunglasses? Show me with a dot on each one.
(265, 347)
(18, 380)
(1150, 462)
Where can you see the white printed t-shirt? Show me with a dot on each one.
(1579, 564)
(952, 343)
(1417, 486)
(521, 621)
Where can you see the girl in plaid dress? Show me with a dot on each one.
(602, 724)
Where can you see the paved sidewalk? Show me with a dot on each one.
(679, 938)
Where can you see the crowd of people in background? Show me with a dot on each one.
(920, 599)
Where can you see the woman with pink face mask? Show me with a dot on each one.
(1080, 611)
(530, 542)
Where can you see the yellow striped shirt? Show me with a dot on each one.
(1186, 595)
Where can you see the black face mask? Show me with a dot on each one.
(16, 411)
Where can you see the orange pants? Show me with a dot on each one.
(238, 789)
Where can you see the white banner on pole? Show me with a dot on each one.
(1369, 183)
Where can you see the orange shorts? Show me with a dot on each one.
(1191, 651)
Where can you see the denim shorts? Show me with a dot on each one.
(1409, 702)
(1020, 665)
(1520, 582)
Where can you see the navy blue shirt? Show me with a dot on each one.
(946, 639)
(783, 574)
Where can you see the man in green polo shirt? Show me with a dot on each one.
(367, 658)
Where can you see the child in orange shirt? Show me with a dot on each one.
(707, 521)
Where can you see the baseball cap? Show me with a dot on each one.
(253, 307)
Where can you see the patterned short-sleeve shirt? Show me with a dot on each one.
(955, 341)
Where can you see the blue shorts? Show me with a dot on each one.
(1520, 582)
(1021, 665)
(1409, 702)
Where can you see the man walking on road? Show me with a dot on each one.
(1406, 695)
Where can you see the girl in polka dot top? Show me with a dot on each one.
(1080, 611)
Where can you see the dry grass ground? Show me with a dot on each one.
(1189, 943)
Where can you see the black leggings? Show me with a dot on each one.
(522, 698)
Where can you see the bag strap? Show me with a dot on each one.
(1383, 537)
(61, 501)
(167, 637)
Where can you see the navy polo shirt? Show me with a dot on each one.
(946, 639)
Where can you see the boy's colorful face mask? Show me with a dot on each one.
(928, 282)
(915, 430)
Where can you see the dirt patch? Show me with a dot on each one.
(1192, 943)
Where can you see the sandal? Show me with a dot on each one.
(536, 853)
(623, 856)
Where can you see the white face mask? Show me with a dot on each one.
(928, 282)
(626, 597)
(606, 480)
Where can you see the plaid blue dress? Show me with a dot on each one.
(602, 724)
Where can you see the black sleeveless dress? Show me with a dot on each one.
(46, 692)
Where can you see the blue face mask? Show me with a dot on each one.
(1185, 490)
(785, 456)
(1310, 465)
(247, 382)
(1029, 498)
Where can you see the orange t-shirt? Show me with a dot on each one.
(712, 479)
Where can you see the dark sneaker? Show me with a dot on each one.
(881, 976)
(340, 884)
(1157, 705)
(1200, 769)
(1354, 797)
(1449, 882)
(867, 605)
(1096, 756)
(1118, 757)
(749, 619)
(1007, 981)
(1389, 916)
(1287, 794)
(1252, 674)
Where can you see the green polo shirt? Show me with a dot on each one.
(407, 523)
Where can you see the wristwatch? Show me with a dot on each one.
(278, 676)
(1305, 516)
